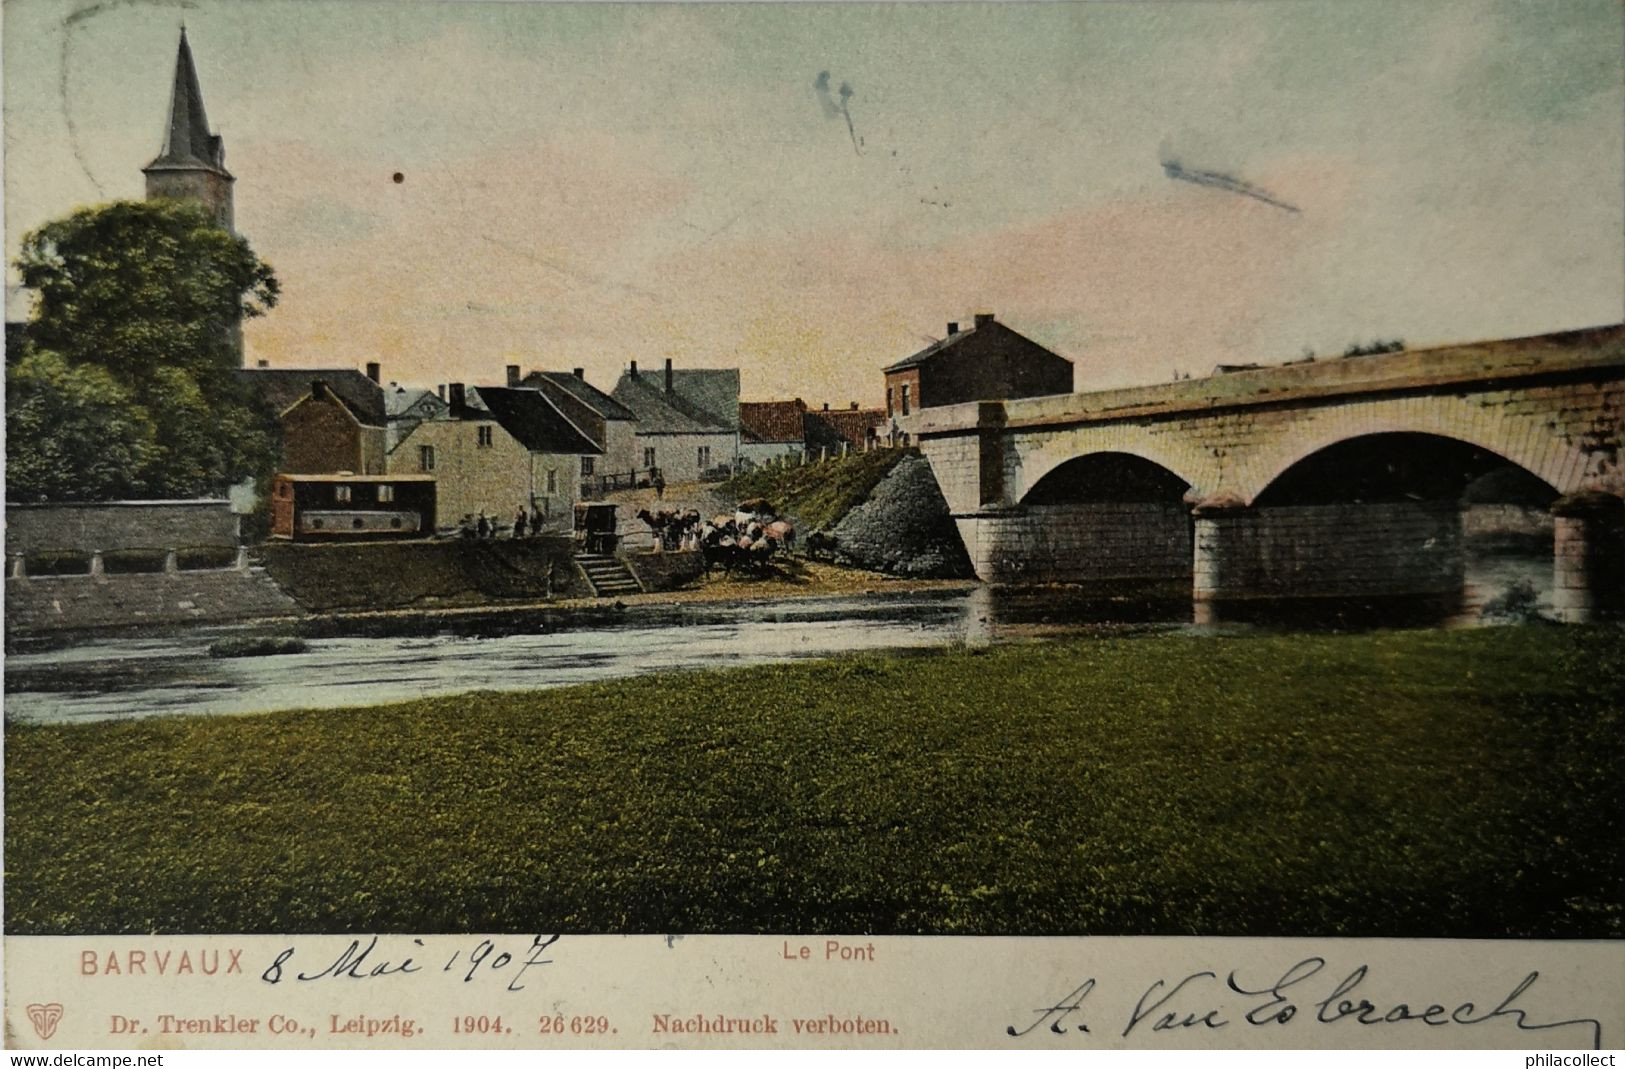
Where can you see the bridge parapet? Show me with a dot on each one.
(1481, 364)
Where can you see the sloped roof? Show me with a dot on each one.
(851, 424)
(928, 352)
(399, 400)
(187, 141)
(282, 387)
(533, 420)
(961, 335)
(701, 401)
(583, 391)
(772, 421)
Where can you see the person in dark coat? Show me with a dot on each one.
(535, 520)
(519, 524)
(482, 529)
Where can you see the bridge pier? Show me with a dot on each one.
(1219, 546)
(1588, 557)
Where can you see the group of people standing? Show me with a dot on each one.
(526, 524)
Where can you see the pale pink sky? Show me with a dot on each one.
(591, 184)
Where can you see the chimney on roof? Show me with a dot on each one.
(984, 318)
(513, 374)
(440, 391)
(953, 328)
(262, 363)
(634, 371)
(458, 398)
(580, 373)
(318, 389)
(826, 406)
(668, 374)
(854, 406)
(373, 371)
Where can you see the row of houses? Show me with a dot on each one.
(544, 440)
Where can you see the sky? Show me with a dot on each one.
(811, 191)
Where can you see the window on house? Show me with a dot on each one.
(484, 434)
(425, 458)
(552, 480)
(386, 492)
(586, 466)
(649, 456)
(704, 457)
(888, 400)
(905, 398)
(341, 493)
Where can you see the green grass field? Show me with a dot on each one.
(1404, 783)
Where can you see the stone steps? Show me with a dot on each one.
(608, 576)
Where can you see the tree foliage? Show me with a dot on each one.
(73, 433)
(1372, 348)
(127, 384)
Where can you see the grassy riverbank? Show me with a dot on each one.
(819, 494)
(1411, 783)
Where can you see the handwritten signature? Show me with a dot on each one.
(1193, 1003)
(359, 962)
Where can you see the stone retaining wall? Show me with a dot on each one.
(36, 604)
(403, 575)
(104, 526)
(666, 570)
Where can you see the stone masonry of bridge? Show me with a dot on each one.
(1553, 405)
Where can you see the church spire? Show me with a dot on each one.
(187, 139)
(192, 163)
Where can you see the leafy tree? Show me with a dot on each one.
(73, 433)
(137, 324)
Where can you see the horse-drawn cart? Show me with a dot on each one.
(595, 526)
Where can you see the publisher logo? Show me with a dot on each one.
(45, 1016)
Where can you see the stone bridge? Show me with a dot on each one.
(1346, 477)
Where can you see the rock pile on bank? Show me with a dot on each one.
(903, 528)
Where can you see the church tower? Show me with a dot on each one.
(192, 164)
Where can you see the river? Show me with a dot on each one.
(129, 676)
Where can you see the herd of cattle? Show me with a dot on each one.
(746, 540)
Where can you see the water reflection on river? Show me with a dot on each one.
(136, 676)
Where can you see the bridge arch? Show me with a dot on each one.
(1108, 476)
(1526, 442)
(1176, 454)
(1109, 520)
(1396, 466)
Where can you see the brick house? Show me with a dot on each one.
(498, 449)
(333, 419)
(987, 362)
(688, 421)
